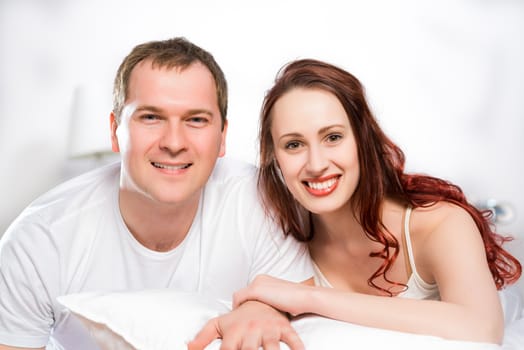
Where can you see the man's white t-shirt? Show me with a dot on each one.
(73, 239)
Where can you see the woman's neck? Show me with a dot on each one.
(341, 225)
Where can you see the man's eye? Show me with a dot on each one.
(198, 120)
(149, 117)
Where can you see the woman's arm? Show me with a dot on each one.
(453, 254)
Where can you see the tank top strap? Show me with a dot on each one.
(407, 240)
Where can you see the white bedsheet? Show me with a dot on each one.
(166, 319)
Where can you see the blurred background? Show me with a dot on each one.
(445, 79)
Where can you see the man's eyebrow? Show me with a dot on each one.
(199, 111)
(190, 112)
(148, 109)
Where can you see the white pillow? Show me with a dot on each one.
(323, 333)
(167, 319)
(512, 304)
(150, 320)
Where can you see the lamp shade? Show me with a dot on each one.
(89, 134)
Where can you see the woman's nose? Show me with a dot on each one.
(317, 162)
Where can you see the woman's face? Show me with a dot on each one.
(315, 148)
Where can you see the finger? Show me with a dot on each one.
(309, 282)
(271, 340)
(244, 295)
(245, 337)
(271, 345)
(206, 335)
(234, 338)
(239, 297)
(251, 340)
(291, 338)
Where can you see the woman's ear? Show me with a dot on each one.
(278, 171)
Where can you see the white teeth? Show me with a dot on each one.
(322, 185)
(170, 167)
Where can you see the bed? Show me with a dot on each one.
(167, 319)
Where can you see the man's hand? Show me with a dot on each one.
(250, 326)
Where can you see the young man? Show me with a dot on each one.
(169, 215)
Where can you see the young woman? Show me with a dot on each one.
(405, 252)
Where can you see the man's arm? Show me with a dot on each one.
(25, 306)
(5, 347)
(250, 326)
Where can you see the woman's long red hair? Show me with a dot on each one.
(381, 174)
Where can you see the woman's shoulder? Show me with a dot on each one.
(437, 229)
(439, 217)
(438, 213)
(425, 219)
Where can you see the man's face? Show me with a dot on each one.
(170, 134)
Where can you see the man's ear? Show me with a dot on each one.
(114, 137)
(223, 140)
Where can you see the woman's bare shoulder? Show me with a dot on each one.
(428, 219)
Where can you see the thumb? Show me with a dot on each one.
(309, 282)
(205, 336)
(239, 297)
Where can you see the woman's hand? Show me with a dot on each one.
(286, 296)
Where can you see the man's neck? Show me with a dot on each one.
(157, 226)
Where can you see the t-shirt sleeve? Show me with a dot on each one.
(26, 314)
(280, 256)
(272, 253)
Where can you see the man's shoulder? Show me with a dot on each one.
(232, 169)
(74, 194)
(66, 216)
(233, 185)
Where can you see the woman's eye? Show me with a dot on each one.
(292, 145)
(333, 137)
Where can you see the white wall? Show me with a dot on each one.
(444, 77)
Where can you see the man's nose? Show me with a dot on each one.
(173, 138)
